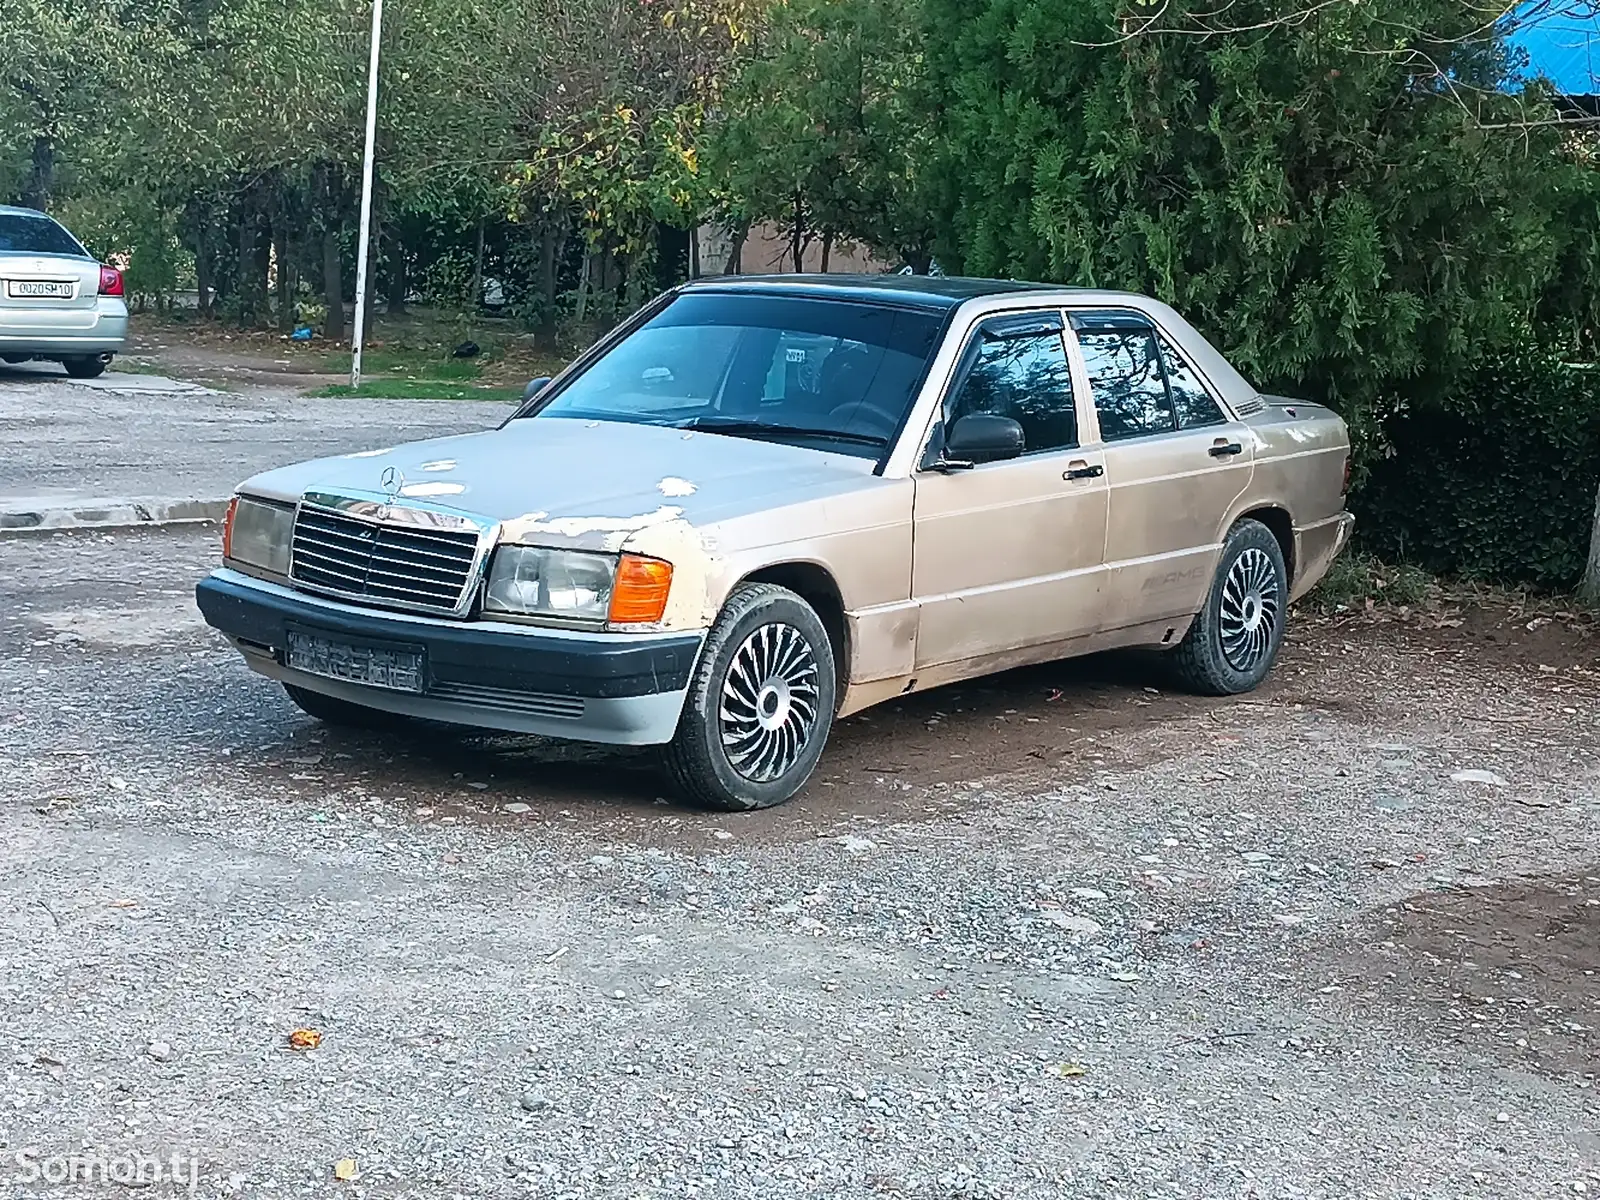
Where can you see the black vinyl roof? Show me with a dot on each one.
(927, 292)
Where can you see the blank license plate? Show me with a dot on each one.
(36, 289)
(398, 668)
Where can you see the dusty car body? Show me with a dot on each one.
(57, 301)
(764, 503)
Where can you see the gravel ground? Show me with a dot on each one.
(68, 445)
(1058, 935)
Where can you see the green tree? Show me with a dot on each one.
(824, 129)
(1338, 193)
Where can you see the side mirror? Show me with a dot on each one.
(984, 437)
(534, 387)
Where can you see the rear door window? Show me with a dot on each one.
(1194, 406)
(1142, 386)
(23, 234)
(1125, 375)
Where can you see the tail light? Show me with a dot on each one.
(110, 281)
(227, 528)
(1344, 489)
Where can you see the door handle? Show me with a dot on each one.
(1226, 449)
(1083, 470)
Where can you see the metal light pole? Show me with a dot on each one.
(366, 196)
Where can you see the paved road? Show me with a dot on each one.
(69, 446)
(1058, 936)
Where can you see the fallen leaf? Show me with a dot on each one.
(124, 904)
(305, 1039)
(345, 1169)
(452, 859)
(1069, 1070)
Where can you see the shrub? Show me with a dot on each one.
(1348, 205)
(1356, 578)
(1496, 484)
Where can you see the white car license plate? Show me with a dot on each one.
(397, 668)
(39, 289)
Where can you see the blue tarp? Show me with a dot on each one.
(1563, 44)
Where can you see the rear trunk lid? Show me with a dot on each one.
(45, 271)
(45, 284)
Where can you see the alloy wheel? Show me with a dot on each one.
(1252, 603)
(770, 700)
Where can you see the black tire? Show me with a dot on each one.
(698, 761)
(1225, 654)
(86, 366)
(331, 710)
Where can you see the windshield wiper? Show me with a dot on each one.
(756, 429)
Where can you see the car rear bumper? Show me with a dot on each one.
(622, 689)
(45, 333)
(1316, 546)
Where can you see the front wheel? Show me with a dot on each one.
(1235, 638)
(331, 710)
(760, 705)
(86, 366)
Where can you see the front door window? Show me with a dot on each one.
(1020, 370)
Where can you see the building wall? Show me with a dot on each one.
(766, 252)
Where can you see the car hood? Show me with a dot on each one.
(585, 484)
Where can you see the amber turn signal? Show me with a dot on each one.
(227, 528)
(639, 596)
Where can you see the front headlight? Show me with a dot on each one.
(259, 533)
(560, 584)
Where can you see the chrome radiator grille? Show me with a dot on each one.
(384, 563)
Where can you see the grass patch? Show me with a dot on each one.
(1359, 581)
(407, 364)
(416, 389)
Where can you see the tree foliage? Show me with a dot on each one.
(825, 131)
(1341, 193)
(230, 132)
(1345, 201)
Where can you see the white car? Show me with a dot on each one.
(57, 301)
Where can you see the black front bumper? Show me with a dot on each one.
(592, 666)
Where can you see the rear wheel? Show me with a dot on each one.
(760, 706)
(331, 710)
(1235, 639)
(86, 366)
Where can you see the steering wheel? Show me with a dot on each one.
(851, 415)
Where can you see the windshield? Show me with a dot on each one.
(835, 374)
(22, 234)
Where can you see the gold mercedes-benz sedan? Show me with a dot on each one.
(765, 503)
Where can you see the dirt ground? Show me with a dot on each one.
(1063, 933)
(217, 354)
